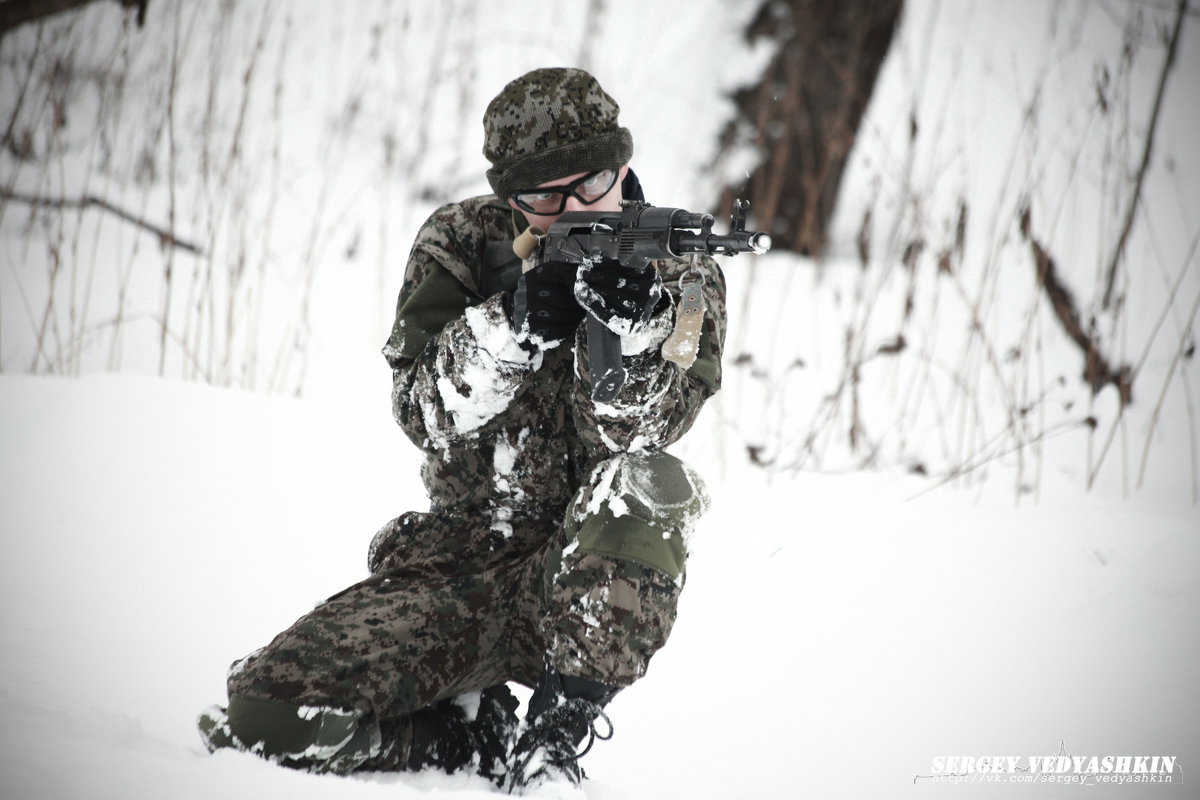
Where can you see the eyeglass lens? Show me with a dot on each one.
(553, 199)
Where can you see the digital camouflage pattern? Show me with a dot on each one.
(557, 526)
(521, 431)
(548, 124)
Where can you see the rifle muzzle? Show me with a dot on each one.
(759, 242)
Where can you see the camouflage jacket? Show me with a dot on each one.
(507, 433)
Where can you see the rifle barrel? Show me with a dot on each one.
(727, 244)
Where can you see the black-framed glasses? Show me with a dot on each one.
(553, 199)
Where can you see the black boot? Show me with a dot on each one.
(446, 736)
(562, 713)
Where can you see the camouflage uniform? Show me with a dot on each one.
(556, 526)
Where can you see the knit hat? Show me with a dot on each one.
(548, 124)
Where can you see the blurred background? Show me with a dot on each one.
(985, 214)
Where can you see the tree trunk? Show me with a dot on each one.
(14, 13)
(803, 115)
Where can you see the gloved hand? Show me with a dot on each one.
(623, 298)
(543, 310)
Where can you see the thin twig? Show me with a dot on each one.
(983, 458)
(1149, 145)
(169, 266)
(1180, 352)
(165, 237)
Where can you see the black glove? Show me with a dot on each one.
(623, 298)
(542, 309)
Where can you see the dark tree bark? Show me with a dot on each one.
(14, 13)
(804, 113)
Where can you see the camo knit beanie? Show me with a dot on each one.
(548, 124)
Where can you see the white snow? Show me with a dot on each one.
(469, 703)
(839, 630)
(488, 366)
(836, 633)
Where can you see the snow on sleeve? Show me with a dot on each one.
(479, 369)
(635, 420)
(504, 465)
(649, 337)
(657, 404)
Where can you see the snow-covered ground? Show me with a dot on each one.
(840, 630)
(835, 636)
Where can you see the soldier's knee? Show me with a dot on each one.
(318, 739)
(640, 507)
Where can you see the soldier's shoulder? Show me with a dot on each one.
(484, 215)
(455, 236)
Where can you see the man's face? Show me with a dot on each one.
(586, 185)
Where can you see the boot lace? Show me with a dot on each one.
(548, 748)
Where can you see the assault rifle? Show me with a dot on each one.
(634, 236)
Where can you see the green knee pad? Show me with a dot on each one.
(640, 507)
(322, 738)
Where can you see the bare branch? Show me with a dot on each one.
(165, 237)
(1097, 370)
(1149, 145)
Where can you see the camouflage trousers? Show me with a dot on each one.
(456, 603)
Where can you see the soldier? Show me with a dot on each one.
(553, 551)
